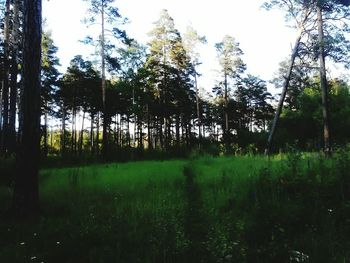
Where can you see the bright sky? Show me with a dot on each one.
(263, 35)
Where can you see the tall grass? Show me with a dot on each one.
(289, 208)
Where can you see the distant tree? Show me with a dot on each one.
(191, 41)
(232, 66)
(170, 68)
(79, 91)
(49, 81)
(103, 13)
(26, 192)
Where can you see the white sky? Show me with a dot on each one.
(263, 35)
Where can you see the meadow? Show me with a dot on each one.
(287, 208)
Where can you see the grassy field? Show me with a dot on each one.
(291, 208)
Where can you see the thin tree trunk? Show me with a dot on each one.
(226, 130)
(177, 130)
(72, 137)
(103, 69)
(92, 134)
(128, 131)
(45, 135)
(324, 85)
(198, 108)
(286, 84)
(149, 136)
(97, 141)
(81, 137)
(26, 190)
(63, 133)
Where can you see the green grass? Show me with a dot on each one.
(226, 209)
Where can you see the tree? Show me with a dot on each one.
(170, 68)
(79, 92)
(315, 45)
(191, 41)
(14, 87)
(232, 65)
(292, 11)
(26, 192)
(105, 12)
(49, 81)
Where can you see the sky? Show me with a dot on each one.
(263, 35)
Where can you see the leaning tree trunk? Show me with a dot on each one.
(26, 190)
(286, 84)
(324, 84)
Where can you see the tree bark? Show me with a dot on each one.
(324, 84)
(26, 190)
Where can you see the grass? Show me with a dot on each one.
(290, 208)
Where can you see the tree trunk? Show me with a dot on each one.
(324, 85)
(226, 130)
(81, 137)
(286, 84)
(177, 130)
(149, 136)
(13, 83)
(73, 133)
(45, 134)
(92, 133)
(26, 190)
(63, 133)
(5, 88)
(103, 69)
(198, 108)
(97, 141)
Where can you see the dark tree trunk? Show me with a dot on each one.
(92, 133)
(13, 83)
(105, 119)
(226, 129)
(26, 190)
(63, 132)
(177, 130)
(149, 131)
(198, 108)
(45, 135)
(81, 137)
(5, 87)
(97, 141)
(324, 84)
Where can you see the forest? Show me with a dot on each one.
(125, 157)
